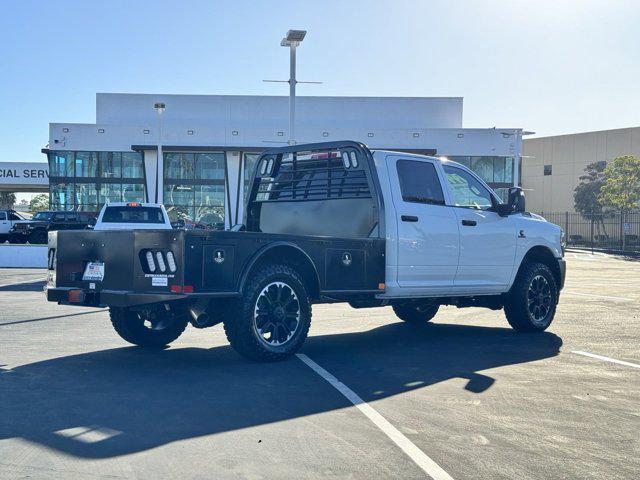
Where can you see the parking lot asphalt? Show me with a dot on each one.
(465, 391)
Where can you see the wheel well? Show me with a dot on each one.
(542, 254)
(296, 259)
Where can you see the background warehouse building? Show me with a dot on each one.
(211, 143)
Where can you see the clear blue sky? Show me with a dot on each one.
(552, 66)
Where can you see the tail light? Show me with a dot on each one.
(160, 261)
(172, 262)
(150, 262)
(161, 264)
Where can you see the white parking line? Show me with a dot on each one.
(606, 359)
(420, 458)
(604, 297)
(22, 282)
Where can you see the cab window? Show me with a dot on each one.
(15, 216)
(466, 190)
(3, 216)
(419, 182)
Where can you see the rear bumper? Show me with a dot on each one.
(563, 271)
(119, 298)
(106, 298)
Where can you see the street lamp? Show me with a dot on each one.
(292, 40)
(160, 107)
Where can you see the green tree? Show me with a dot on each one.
(7, 200)
(621, 190)
(585, 195)
(39, 203)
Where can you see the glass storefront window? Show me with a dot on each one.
(179, 166)
(110, 192)
(209, 166)
(61, 164)
(250, 161)
(508, 170)
(483, 167)
(133, 192)
(179, 195)
(209, 195)
(62, 194)
(90, 191)
(213, 217)
(110, 164)
(132, 165)
(86, 197)
(179, 212)
(86, 164)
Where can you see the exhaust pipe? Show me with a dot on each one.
(199, 315)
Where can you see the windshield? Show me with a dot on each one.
(133, 215)
(43, 216)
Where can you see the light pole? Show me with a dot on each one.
(160, 107)
(292, 40)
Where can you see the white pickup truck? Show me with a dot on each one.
(8, 218)
(132, 216)
(325, 223)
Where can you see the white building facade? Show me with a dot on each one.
(210, 145)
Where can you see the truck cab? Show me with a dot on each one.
(325, 223)
(8, 218)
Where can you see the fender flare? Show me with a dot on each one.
(266, 249)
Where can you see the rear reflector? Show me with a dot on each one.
(76, 296)
(181, 289)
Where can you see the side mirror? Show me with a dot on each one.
(516, 200)
(515, 203)
(92, 222)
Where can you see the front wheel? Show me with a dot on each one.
(415, 312)
(38, 237)
(272, 317)
(153, 327)
(531, 304)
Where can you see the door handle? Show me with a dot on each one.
(409, 218)
(469, 223)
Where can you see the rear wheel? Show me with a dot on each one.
(273, 316)
(532, 301)
(155, 326)
(416, 312)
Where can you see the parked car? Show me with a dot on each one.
(35, 230)
(132, 216)
(327, 222)
(7, 219)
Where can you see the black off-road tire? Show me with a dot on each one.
(131, 327)
(414, 312)
(38, 237)
(17, 239)
(241, 326)
(518, 307)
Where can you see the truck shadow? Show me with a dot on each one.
(125, 400)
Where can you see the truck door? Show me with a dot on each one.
(487, 240)
(5, 224)
(427, 229)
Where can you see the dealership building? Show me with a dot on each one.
(553, 165)
(210, 144)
